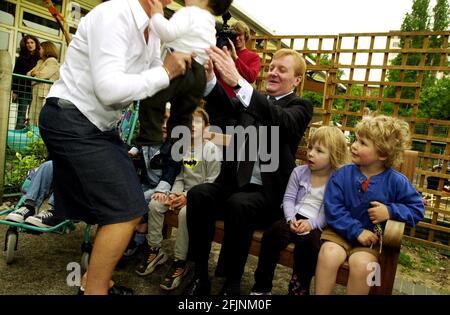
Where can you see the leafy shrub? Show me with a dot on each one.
(18, 165)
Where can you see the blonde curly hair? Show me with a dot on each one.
(390, 135)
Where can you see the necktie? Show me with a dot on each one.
(146, 35)
(245, 168)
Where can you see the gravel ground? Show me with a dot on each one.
(40, 267)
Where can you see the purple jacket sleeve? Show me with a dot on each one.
(290, 195)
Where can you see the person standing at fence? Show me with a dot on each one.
(21, 88)
(46, 68)
(304, 214)
(360, 197)
(113, 59)
(247, 193)
(247, 62)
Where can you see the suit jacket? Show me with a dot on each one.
(291, 114)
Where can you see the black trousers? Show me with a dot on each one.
(242, 210)
(277, 238)
(23, 90)
(184, 94)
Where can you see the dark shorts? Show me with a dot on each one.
(95, 180)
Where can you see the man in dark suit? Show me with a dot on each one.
(248, 193)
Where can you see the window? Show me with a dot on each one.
(7, 13)
(40, 24)
(72, 30)
(4, 40)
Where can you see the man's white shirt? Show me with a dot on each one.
(108, 64)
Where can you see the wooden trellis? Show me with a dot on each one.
(365, 61)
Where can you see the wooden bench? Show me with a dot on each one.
(388, 259)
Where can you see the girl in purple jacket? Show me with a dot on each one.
(304, 214)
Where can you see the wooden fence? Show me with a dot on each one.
(384, 72)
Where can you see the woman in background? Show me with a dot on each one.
(46, 68)
(21, 88)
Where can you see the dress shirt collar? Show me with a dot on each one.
(140, 17)
(281, 96)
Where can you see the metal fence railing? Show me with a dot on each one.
(25, 149)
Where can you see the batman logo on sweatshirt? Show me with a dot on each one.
(190, 163)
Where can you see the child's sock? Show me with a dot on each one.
(29, 204)
(139, 238)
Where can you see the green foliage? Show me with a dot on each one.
(428, 259)
(314, 97)
(414, 256)
(353, 105)
(441, 18)
(405, 260)
(326, 60)
(420, 20)
(440, 23)
(435, 100)
(37, 148)
(34, 155)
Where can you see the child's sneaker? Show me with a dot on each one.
(232, 287)
(152, 257)
(260, 290)
(173, 277)
(260, 293)
(132, 249)
(45, 219)
(135, 245)
(114, 290)
(20, 215)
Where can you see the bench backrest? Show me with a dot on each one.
(408, 166)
